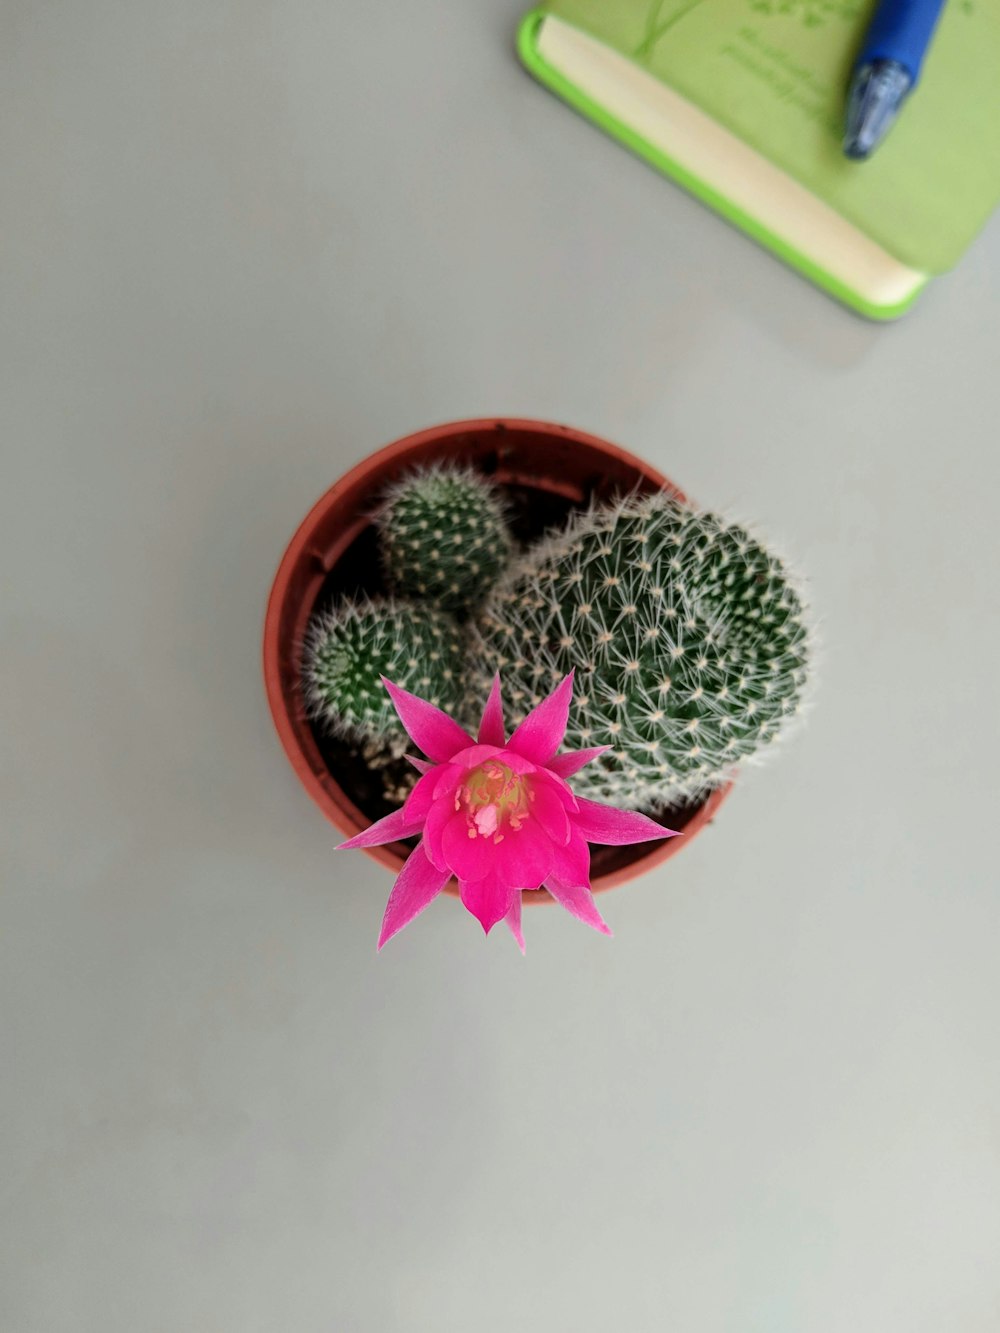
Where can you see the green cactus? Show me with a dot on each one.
(413, 644)
(687, 636)
(443, 536)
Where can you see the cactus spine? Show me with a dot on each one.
(443, 536)
(417, 646)
(687, 636)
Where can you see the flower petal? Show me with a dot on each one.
(473, 755)
(571, 864)
(421, 797)
(489, 900)
(541, 733)
(559, 785)
(516, 762)
(571, 761)
(550, 811)
(513, 919)
(491, 727)
(580, 902)
(400, 824)
(417, 885)
(438, 735)
(421, 765)
(448, 778)
(437, 818)
(467, 858)
(603, 823)
(523, 857)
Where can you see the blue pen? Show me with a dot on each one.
(887, 70)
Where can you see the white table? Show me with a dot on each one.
(244, 245)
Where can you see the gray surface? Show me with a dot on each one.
(245, 244)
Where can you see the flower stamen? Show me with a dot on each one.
(494, 798)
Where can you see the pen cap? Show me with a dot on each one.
(901, 30)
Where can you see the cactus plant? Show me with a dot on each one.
(443, 536)
(687, 637)
(350, 648)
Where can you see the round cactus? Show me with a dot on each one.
(349, 649)
(687, 637)
(443, 536)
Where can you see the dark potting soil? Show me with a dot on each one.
(531, 513)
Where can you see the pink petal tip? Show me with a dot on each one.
(491, 728)
(541, 733)
(438, 735)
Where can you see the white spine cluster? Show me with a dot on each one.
(348, 649)
(443, 536)
(688, 638)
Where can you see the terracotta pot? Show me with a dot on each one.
(558, 464)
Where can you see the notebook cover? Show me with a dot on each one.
(774, 73)
(580, 101)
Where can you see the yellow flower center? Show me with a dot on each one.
(495, 800)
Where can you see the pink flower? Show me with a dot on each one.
(499, 815)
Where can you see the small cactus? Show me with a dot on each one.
(349, 649)
(687, 637)
(443, 536)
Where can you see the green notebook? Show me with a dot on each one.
(742, 102)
